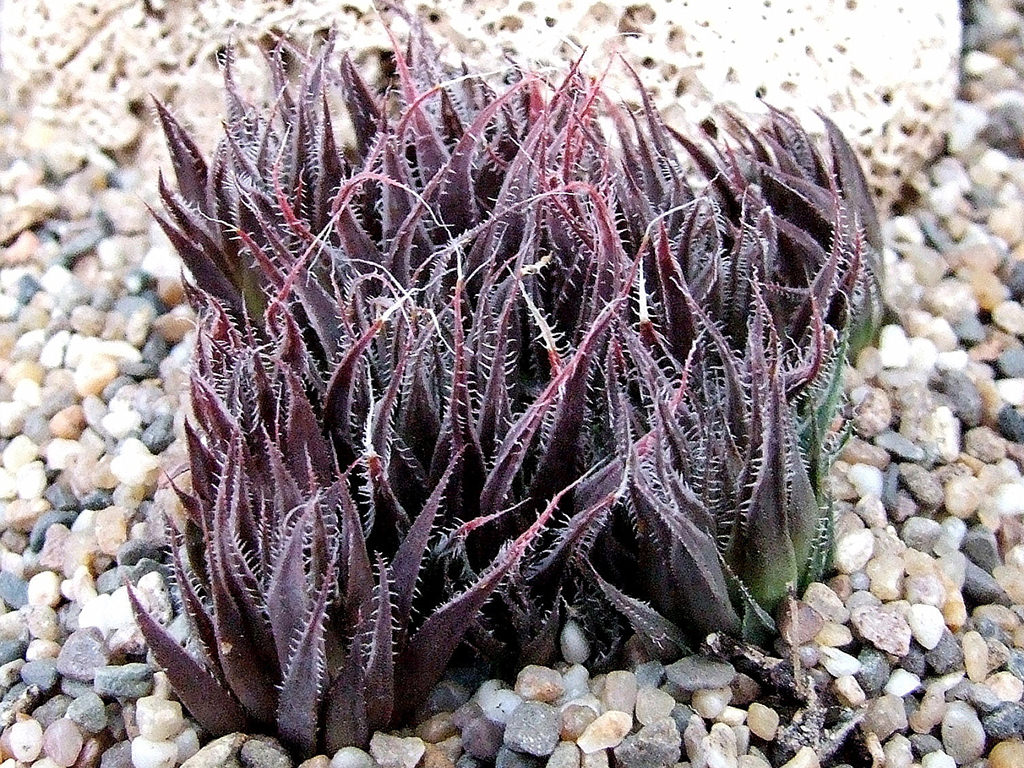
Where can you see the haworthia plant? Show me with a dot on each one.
(482, 365)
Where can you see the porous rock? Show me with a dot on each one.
(886, 72)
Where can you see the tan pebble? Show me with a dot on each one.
(434, 758)
(111, 529)
(710, 702)
(1006, 685)
(436, 728)
(805, 758)
(849, 691)
(93, 373)
(1006, 754)
(988, 289)
(1010, 579)
(975, 656)
(22, 250)
(886, 574)
(538, 683)
(23, 370)
(173, 326)
(574, 720)
(834, 635)
(597, 759)
(607, 731)
(954, 611)
(763, 721)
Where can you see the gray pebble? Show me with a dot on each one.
(947, 656)
(532, 728)
(924, 744)
(60, 497)
(264, 752)
(657, 745)
(990, 630)
(921, 533)
(89, 712)
(74, 688)
(108, 581)
(53, 709)
(134, 550)
(970, 330)
(963, 395)
(1006, 721)
(983, 698)
(874, 671)
(97, 499)
(963, 737)
(899, 446)
(83, 652)
(650, 674)
(1011, 363)
(695, 673)
(981, 589)
(1015, 280)
(158, 435)
(1011, 424)
(913, 660)
(509, 758)
(980, 546)
(118, 756)
(42, 674)
(64, 517)
(681, 714)
(13, 591)
(124, 681)
(481, 738)
(1015, 663)
(10, 650)
(923, 485)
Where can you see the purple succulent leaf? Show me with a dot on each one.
(380, 658)
(207, 701)
(305, 679)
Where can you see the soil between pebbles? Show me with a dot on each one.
(914, 646)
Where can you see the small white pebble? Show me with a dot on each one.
(26, 740)
(866, 479)
(1011, 390)
(59, 452)
(134, 464)
(158, 719)
(153, 754)
(187, 743)
(923, 354)
(853, 550)
(1006, 685)
(937, 759)
(901, 682)
(573, 643)
(1008, 499)
(121, 423)
(497, 703)
(893, 347)
(926, 624)
(709, 702)
(608, 730)
(19, 452)
(44, 589)
(839, 663)
(31, 481)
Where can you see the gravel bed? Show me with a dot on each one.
(912, 652)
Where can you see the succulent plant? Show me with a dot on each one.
(458, 375)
